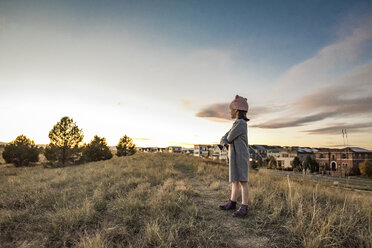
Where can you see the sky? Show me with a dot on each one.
(164, 72)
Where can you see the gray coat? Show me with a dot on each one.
(237, 140)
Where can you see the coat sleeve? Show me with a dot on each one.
(236, 130)
(224, 139)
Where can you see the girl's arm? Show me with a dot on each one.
(224, 139)
(236, 130)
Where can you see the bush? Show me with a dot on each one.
(254, 164)
(65, 138)
(21, 151)
(365, 168)
(125, 147)
(97, 150)
(271, 162)
(311, 164)
(296, 164)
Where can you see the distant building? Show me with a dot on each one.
(202, 150)
(176, 149)
(188, 151)
(341, 162)
(259, 150)
(286, 156)
(273, 151)
(220, 152)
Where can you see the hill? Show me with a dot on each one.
(171, 200)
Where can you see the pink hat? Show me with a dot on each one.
(239, 103)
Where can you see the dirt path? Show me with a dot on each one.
(208, 201)
(208, 198)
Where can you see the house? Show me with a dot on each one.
(260, 150)
(220, 152)
(273, 151)
(202, 150)
(286, 156)
(341, 162)
(177, 149)
(187, 151)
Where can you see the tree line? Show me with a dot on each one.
(65, 147)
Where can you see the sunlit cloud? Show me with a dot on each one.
(293, 122)
(221, 111)
(336, 128)
(141, 139)
(328, 62)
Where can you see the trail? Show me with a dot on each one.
(208, 200)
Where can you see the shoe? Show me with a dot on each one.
(242, 211)
(230, 205)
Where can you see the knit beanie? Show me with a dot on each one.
(239, 103)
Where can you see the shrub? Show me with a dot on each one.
(271, 163)
(65, 138)
(296, 164)
(21, 151)
(125, 147)
(254, 164)
(365, 168)
(97, 150)
(311, 164)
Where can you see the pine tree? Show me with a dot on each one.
(125, 147)
(21, 151)
(296, 164)
(97, 150)
(65, 138)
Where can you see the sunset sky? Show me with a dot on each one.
(164, 72)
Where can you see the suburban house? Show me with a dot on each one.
(273, 151)
(177, 149)
(151, 149)
(202, 150)
(220, 152)
(341, 162)
(260, 150)
(187, 151)
(286, 156)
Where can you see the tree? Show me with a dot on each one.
(254, 164)
(311, 164)
(271, 163)
(65, 138)
(296, 164)
(21, 151)
(125, 147)
(365, 168)
(97, 150)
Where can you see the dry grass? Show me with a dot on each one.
(170, 200)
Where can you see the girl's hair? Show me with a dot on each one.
(242, 115)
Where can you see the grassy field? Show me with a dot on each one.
(171, 200)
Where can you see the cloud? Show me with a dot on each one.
(221, 111)
(325, 88)
(142, 139)
(294, 122)
(217, 110)
(336, 129)
(328, 61)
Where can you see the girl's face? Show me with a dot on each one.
(233, 113)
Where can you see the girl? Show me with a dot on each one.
(237, 140)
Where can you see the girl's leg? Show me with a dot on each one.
(234, 191)
(243, 210)
(231, 204)
(244, 186)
